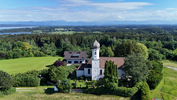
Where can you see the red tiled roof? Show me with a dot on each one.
(81, 54)
(119, 61)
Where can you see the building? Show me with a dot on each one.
(75, 57)
(95, 66)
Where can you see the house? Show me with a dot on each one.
(74, 57)
(95, 66)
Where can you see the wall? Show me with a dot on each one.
(79, 73)
(72, 61)
(86, 72)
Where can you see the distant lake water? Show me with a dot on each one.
(13, 33)
(16, 27)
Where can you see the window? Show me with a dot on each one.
(95, 52)
(75, 62)
(69, 62)
(80, 61)
(88, 71)
(100, 72)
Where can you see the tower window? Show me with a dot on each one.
(88, 71)
(95, 52)
(100, 72)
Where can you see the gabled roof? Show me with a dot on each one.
(119, 61)
(75, 55)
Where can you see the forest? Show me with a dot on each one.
(161, 41)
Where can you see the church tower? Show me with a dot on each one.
(95, 60)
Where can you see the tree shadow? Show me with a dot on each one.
(49, 91)
(49, 65)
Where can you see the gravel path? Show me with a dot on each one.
(174, 68)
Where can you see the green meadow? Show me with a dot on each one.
(21, 65)
(167, 89)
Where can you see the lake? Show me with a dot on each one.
(16, 27)
(13, 33)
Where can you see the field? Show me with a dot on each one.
(167, 89)
(21, 65)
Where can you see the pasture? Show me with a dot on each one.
(21, 65)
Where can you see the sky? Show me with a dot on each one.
(88, 10)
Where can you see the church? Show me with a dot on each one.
(95, 66)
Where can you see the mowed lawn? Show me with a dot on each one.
(21, 65)
(167, 89)
(169, 63)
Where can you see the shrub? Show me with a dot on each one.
(6, 81)
(145, 92)
(26, 81)
(64, 86)
(155, 75)
(57, 73)
(154, 79)
(58, 63)
(7, 92)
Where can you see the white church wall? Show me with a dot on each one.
(95, 70)
(86, 72)
(102, 75)
(79, 73)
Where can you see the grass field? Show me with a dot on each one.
(167, 89)
(21, 65)
(169, 63)
(39, 93)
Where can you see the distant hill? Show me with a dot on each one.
(65, 23)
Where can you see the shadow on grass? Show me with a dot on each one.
(49, 66)
(49, 91)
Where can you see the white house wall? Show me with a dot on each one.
(72, 61)
(79, 73)
(86, 72)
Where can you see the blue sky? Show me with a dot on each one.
(88, 10)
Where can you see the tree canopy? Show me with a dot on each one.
(137, 68)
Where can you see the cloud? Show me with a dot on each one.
(171, 8)
(88, 11)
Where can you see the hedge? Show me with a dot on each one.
(7, 92)
(121, 91)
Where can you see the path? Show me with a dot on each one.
(174, 68)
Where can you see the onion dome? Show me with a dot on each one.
(95, 45)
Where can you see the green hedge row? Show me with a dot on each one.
(121, 91)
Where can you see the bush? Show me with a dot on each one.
(26, 81)
(58, 63)
(64, 86)
(155, 75)
(7, 92)
(154, 79)
(6, 81)
(145, 92)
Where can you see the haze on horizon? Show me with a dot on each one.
(88, 10)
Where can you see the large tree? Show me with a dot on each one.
(58, 73)
(129, 47)
(136, 68)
